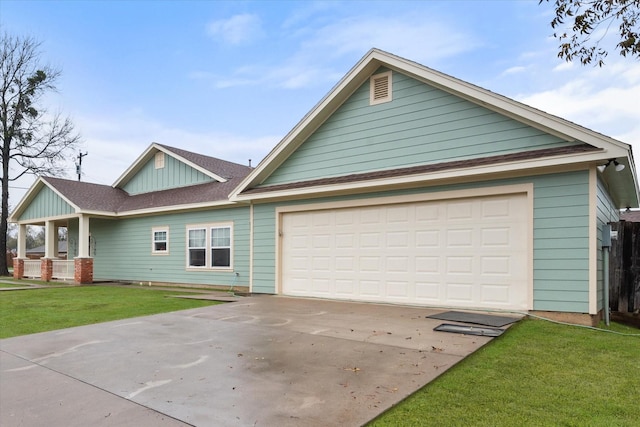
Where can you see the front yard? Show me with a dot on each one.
(537, 374)
(38, 310)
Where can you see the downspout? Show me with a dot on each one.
(606, 244)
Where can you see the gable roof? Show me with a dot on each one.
(218, 169)
(62, 248)
(623, 186)
(99, 199)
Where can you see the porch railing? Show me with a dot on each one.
(32, 268)
(63, 269)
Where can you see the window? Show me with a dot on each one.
(159, 160)
(160, 244)
(209, 246)
(221, 247)
(380, 88)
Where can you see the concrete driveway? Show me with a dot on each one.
(261, 361)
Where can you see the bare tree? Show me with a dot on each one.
(580, 25)
(33, 141)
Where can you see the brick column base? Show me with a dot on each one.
(46, 269)
(18, 268)
(83, 274)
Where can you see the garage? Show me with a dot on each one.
(460, 252)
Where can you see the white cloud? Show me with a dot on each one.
(116, 142)
(564, 66)
(514, 70)
(409, 36)
(239, 29)
(602, 99)
(322, 48)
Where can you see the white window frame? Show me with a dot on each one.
(372, 92)
(155, 230)
(209, 247)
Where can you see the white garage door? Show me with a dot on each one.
(459, 253)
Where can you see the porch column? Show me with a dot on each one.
(50, 241)
(22, 241)
(83, 263)
(83, 237)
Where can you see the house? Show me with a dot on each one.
(39, 251)
(403, 185)
(630, 216)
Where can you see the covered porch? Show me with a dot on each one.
(76, 266)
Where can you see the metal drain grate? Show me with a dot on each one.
(469, 330)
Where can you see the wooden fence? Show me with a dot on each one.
(624, 268)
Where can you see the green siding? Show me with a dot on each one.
(174, 174)
(422, 125)
(561, 242)
(264, 249)
(46, 204)
(122, 248)
(560, 237)
(606, 212)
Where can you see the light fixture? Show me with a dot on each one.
(618, 166)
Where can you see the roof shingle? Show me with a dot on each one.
(104, 198)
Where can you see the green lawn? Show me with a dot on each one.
(37, 310)
(11, 285)
(537, 374)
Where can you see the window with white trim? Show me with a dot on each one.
(380, 88)
(160, 240)
(209, 246)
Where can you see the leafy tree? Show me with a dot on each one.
(33, 141)
(576, 22)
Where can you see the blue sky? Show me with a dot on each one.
(230, 79)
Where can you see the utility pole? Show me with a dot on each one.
(79, 164)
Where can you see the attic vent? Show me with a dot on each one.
(380, 88)
(159, 160)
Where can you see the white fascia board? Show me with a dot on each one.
(30, 195)
(311, 121)
(135, 166)
(36, 221)
(521, 166)
(501, 104)
(160, 210)
(376, 58)
(193, 165)
(62, 196)
(26, 199)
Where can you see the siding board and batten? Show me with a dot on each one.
(46, 204)
(173, 174)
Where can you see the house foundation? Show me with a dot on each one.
(584, 319)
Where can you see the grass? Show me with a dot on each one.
(537, 374)
(38, 310)
(7, 281)
(11, 285)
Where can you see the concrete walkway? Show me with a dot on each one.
(260, 361)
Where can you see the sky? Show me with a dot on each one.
(230, 79)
